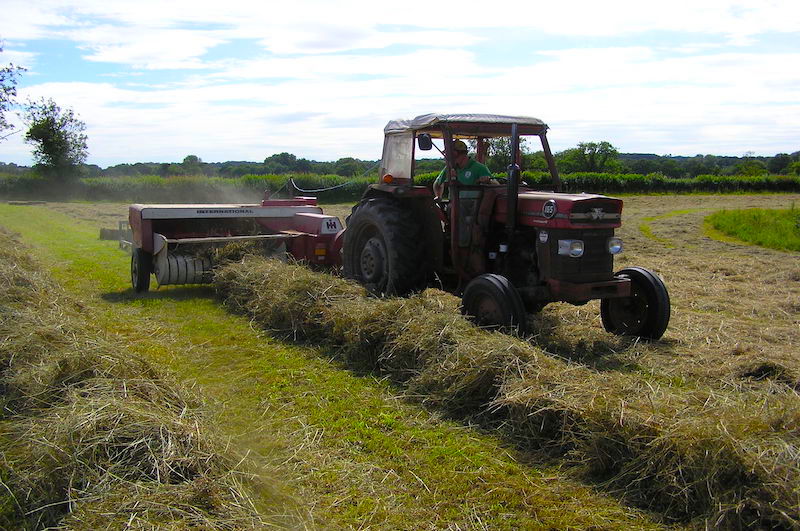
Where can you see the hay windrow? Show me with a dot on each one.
(692, 453)
(92, 436)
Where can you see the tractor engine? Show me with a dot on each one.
(565, 246)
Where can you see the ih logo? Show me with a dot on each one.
(330, 226)
(597, 214)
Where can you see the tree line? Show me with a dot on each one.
(595, 157)
(603, 157)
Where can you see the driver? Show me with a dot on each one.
(468, 171)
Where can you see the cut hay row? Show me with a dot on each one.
(692, 453)
(93, 437)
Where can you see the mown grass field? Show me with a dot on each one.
(354, 452)
(347, 448)
(93, 436)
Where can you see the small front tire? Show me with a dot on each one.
(141, 267)
(491, 301)
(645, 313)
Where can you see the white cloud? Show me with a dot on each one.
(329, 75)
(308, 26)
(145, 47)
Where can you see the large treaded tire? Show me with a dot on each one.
(382, 248)
(645, 313)
(141, 267)
(491, 301)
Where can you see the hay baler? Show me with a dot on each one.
(172, 241)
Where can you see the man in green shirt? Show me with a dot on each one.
(468, 170)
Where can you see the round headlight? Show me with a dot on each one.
(572, 248)
(614, 245)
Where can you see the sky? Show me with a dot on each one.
(155, 81)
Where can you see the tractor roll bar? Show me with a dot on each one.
(512, 186)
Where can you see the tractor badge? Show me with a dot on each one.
(549, 209)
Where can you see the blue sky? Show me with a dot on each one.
(234, 80)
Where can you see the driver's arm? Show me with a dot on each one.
(438, 185)
(438, 190)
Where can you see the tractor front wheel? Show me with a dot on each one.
(141, 266)
(645, 313)
(382, 250)
(491, 301)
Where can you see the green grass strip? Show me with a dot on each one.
(774, 229)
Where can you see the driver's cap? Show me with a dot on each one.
(459, 145)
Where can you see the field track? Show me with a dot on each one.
(735, 317)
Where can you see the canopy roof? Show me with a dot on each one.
(467, 125)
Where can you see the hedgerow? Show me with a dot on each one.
(337, 189)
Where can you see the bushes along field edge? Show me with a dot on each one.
(250, 188)
(721, 457)
(93, 436)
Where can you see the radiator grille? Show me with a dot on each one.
(596, 264)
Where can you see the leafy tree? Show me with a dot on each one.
(498, 155)
(534, 161)
(8, 93)
(643, 166)
(590, 156)
(303, 166)
(779, 163)
(191, 165)
(671, 168)
(238, 169)
(701, 165)
(58, 137)
(348, 167)
(280, 163)
(751, 167)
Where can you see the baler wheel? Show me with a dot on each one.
(141, 267)
(491, 301)
(645, 313)
(382, 250)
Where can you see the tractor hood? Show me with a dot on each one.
(562, 211)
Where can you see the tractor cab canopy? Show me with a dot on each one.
(400, 135)
(466, 125)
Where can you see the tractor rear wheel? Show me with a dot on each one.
(141, 266)
(382, 248)
(491, 301)
(645, 313)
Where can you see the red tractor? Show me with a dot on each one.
(507, 248)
